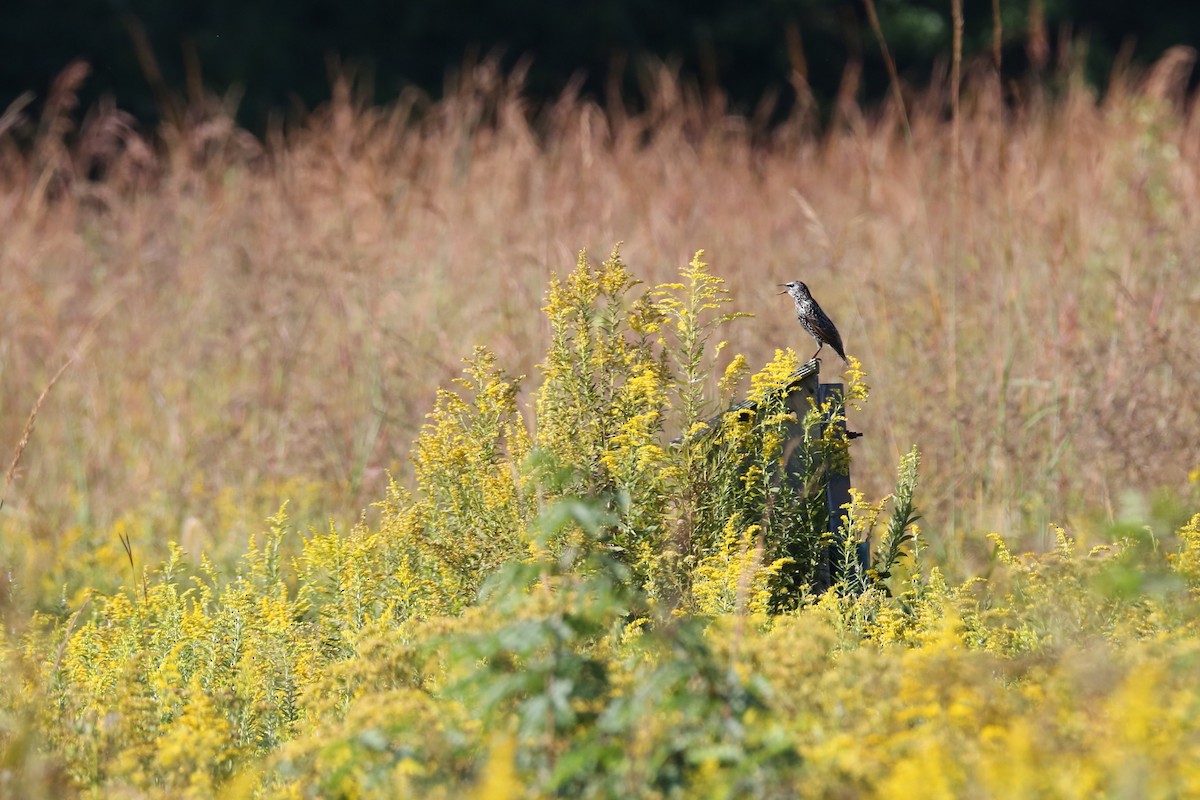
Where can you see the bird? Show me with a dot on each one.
(814, 320)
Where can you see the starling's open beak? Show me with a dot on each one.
(784, 285)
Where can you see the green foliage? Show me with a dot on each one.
(1187, 561)
(473, 505)
(901, 527)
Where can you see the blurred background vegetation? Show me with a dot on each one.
(280, 54)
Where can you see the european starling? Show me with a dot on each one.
(814, 319)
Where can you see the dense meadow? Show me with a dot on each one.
(360, 460)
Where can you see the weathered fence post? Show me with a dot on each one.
(803, 463)
(806, 387)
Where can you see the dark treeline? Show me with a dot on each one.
(279, 54)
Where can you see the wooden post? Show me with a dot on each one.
(806, 387)
(837, 496)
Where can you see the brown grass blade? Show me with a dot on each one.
(28, 432)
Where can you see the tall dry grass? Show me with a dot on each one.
(244, 313)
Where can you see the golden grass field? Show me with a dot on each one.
(246, 321)
(248, 317)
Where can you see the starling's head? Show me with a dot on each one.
(796, 289)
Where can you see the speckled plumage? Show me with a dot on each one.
(814, 320)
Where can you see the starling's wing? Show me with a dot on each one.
(836, 343)
(829, 332)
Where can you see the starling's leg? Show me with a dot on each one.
(819, 349)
